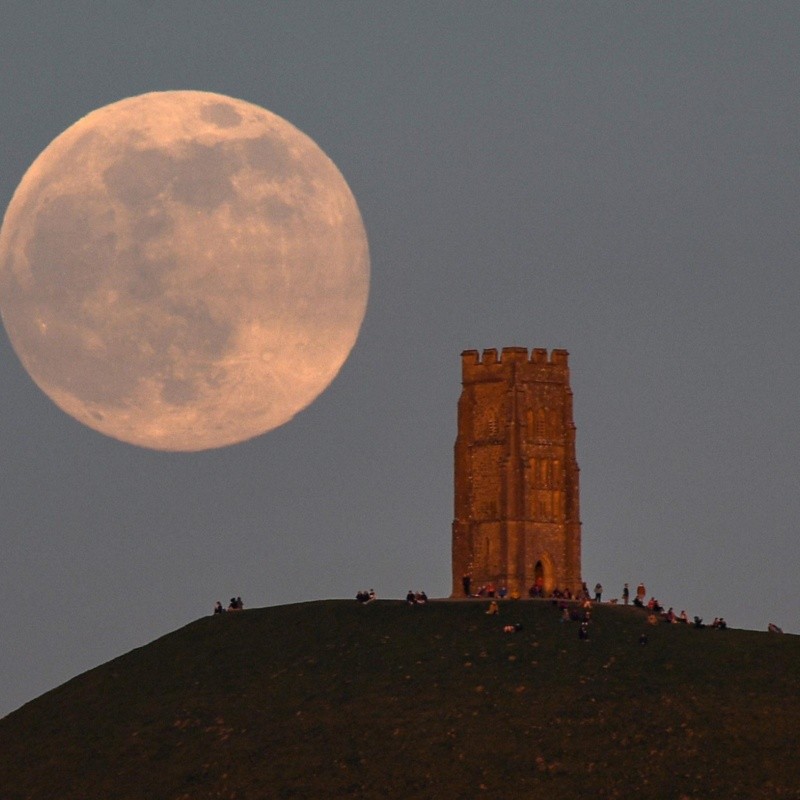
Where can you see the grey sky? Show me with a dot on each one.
(620, 180)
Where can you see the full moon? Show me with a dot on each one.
(183, 270)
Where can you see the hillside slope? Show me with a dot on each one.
(335, 699)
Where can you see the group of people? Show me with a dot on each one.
(580, 611)
(485, 590)
(655, 610)
(577, 613)
(489, 589)
(235, 604)
(538, 590)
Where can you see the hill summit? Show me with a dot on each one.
(388, 700)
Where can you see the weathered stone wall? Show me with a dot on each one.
(517, 511)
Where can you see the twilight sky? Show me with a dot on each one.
(619, 180)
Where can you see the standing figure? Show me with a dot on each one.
(598, 592)
(626, 594)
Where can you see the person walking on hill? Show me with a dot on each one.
(598, 592)
(626, 594)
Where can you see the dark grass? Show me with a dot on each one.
(335, 699)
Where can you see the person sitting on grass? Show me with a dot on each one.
(654, 606)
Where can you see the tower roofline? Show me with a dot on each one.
(520, 355)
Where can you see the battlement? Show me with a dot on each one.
(513, 355)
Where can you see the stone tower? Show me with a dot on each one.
(517, 519)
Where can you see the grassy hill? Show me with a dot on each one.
(335, 699)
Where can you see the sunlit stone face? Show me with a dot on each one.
(183, 270)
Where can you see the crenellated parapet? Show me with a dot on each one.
(533, 365)
(538, 355)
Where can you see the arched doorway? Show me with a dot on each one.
(543, 575)
(538, 588)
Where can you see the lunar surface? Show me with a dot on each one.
(183, 270)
